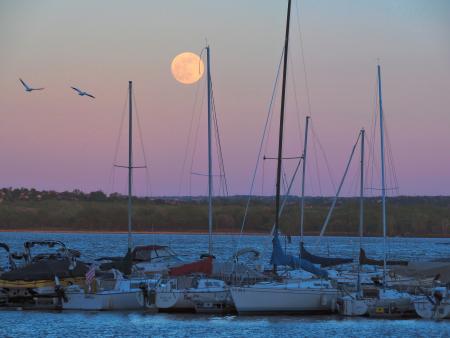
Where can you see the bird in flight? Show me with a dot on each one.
(28, 88)
(81, 93)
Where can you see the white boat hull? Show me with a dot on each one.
(352, 307)
(102, 301)
(218, 301)
(425, 309)
(275, 300)
(174, 300)
(390, 307)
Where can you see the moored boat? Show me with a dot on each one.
(436, 306)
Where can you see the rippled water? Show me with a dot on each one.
(15, 323)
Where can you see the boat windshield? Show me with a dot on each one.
(153, 252)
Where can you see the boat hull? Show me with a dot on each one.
(102, 301)
(174, 300)
(395, 307)
(217, 301)
(249, 300)
(427, 310)
(352, 307)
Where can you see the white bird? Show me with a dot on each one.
(81, 93)
(28, 88)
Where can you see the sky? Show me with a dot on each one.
(55, 139)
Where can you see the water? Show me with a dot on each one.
(15, 323)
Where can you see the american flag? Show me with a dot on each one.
(90, 274)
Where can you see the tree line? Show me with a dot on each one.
(97, 211)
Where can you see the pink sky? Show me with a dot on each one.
(54, 139)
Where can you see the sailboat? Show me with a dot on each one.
(190, 287)
(117, 288)
(291, 294)
(375, 301)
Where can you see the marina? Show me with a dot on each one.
(315, 238)
(191, 244)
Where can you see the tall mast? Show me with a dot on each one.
(302, 209)
(130, 158)
(280, 138)
(361, 204)
(361, 189)
(383, 183)
(210, 183)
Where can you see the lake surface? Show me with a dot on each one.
(15, 323)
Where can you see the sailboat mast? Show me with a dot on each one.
(130, 158)
(383, 183)
(302, 209)
(280, 138)
(361, 205)
(210, 183)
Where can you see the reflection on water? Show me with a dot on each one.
(79, 324)
(15, 323)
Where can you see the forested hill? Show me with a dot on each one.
(29, 209)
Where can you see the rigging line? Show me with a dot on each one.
(373, 136)
(148, 186)
(312, 184)
(284, 158)
(351, 187)
(223, 179)
(316, 162)
(308, 97)
(324, 155)
(116, 150)
(222, 188)
(391, 162)
(294, 86)
(219, 144)
(284, 178)
(367, 174)
(324, 227)
(195, 141)
(288, 191)
(379, 189)
(200, 174)
(186, 150)
(263, 177)
(258, 158)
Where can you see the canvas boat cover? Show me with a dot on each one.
(323, 261)
(363, 259)
(47, 270)
(279, 257)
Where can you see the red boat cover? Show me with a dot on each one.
(202, 266)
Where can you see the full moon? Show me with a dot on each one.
(187, 68)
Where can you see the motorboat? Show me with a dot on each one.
(110, 291)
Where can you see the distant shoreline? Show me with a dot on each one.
(194, 232)
(71, 212)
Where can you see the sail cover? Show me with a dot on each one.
(323, 261)
(363, 259)
(281, 258)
